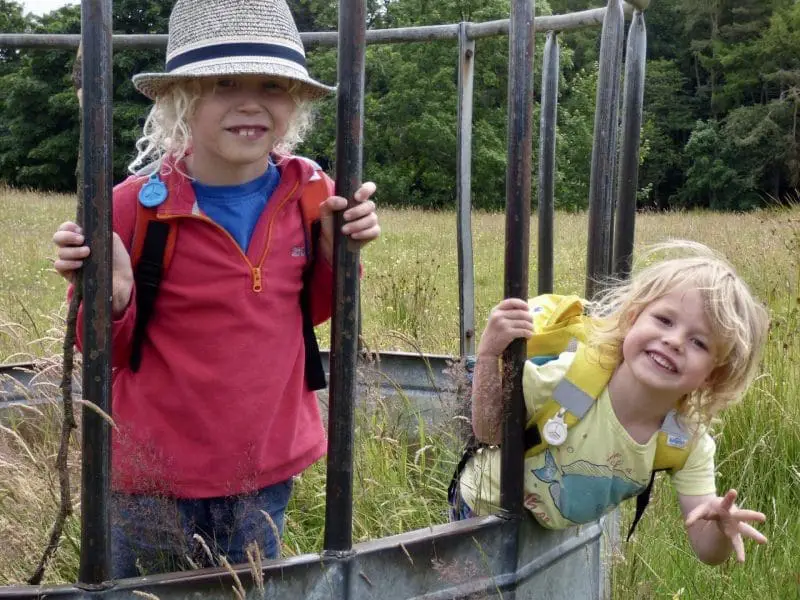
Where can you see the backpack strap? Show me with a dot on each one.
(572, 398)
(642, 500)
(672, 450)
(151, 252)
(314, 194)
(577, 392)
(556, 320)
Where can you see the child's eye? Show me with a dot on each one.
(662, 319)
(700, 344)
(225, 83)
(272, 86)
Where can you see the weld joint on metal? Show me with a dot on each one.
(509, 516)
(95, 587)
(339, 555)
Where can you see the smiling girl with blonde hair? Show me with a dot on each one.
(676, 344)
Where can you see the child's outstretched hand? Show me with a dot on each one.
(71, 251)
(361, 221)
(731, 520)
(508, 321)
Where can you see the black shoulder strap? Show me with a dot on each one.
(472, 447)
(147, 276)
(642, 500)
(315, 373)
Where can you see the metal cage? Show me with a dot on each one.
(505, 555)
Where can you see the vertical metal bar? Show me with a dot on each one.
(344, 328)
(466, 273)
(633, 102)
(547, 160)
(518, 214)
(95, 557)
(604, 151)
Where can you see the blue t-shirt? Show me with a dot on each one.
(237, 207)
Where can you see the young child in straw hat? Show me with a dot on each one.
(216, 416)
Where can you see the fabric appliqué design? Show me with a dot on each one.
(582, 491)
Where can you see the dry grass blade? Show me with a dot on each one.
(275, 531)
(199, 539)
(256, 566)
(238, 589)
(18, 438)
(147, 595)
(96, 409)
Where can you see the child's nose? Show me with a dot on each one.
(674, 339)
(248, 103)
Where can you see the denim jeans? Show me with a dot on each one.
(156, 534)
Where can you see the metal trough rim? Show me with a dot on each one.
(218, 577)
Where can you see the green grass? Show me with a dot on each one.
(410, 301)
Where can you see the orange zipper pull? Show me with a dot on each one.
(257, 279)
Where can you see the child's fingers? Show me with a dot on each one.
(360, 211)
(518, 314)
(738, 547)
(742, 514)
(70, 226)
(519, 332)
(368, 233)
(699, 512)
(513, 316)
(66, 267)
(752, 533)
(513, 304)
(331, 205)
(66, 237)
(72, 253)
(365, 191)
(727, 500)
(362, 223)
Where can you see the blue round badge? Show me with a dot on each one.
(153, 193)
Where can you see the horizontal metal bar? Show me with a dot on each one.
(419, 375)
(443, 562)
(566, 22)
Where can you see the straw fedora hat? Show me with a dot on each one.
(212, 38)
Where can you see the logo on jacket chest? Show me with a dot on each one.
(298, 252)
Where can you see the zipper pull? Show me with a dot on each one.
(257, 287)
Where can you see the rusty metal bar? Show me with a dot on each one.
(518, 207)
(466, 270)
(632, 107)
(547, 161)
(338, 536)
(95, 557)
(521, 49)
(604, 151)
(566, 22)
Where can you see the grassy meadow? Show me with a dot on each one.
(410, 302)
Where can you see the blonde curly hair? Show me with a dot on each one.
(166, 133)
(739, 322)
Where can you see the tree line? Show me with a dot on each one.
(720, 128)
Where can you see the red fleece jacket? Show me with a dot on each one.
(219, 405)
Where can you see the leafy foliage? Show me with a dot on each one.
(719, 130)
